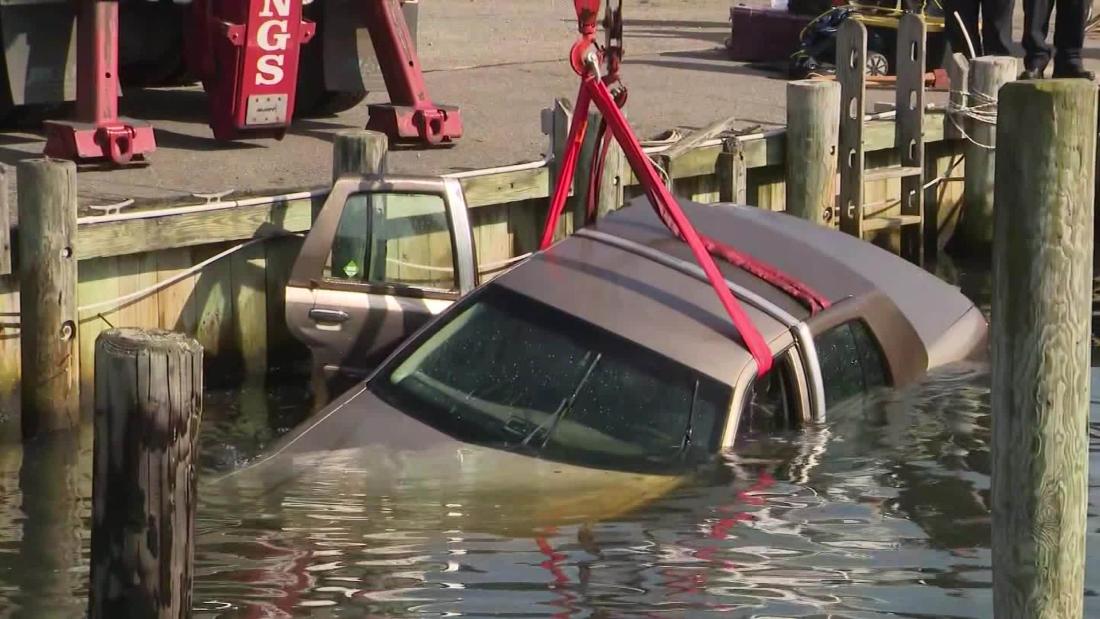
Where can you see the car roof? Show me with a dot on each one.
(837, 265)
(679, 316)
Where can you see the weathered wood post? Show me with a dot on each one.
(362, 153)
(556, 122)
(813, 121)
(732, 172)
(583, 176)
(613, 181)
(358, 151)
(958, 72)
(5, 223)
(975, 231)
(148, 401)
(1042, 272)
(50, 384)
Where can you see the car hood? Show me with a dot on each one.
(362, 445)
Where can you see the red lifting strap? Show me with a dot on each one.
(593, 89)
(584, 60)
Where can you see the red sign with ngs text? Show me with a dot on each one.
(256, 98)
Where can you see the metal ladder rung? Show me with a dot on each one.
(881, 174)
(885, 222)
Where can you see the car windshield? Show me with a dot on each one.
(506, 371)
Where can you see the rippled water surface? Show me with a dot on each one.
(882, 512)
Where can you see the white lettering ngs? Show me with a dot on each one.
(282, 8)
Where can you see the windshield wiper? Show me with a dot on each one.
(566, 406)
(685, 442)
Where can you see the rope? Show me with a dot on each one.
(966, 34)
(133, 296)
(985, 111)
(486, 268)
(144, 292)
(496, 266)
(182, 275)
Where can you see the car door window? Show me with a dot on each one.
(851, 361)
(772, 402)
(393, 238)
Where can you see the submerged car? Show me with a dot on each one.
(610, 349)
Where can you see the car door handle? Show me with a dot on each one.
(328, 315)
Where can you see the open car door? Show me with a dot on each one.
(384, 255)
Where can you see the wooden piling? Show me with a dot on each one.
(358, 151)
(813, 120)
(731, 172)
(589, 148)
(613, 181)
(362, 153)
(958, 72)
(5, 224)
(1042, 252)
(50, 385)
(148, 402)
(975, 232)
(556, 122)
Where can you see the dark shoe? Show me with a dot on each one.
(1031, 74)
(1075, 72)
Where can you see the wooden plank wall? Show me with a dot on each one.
(234, 308)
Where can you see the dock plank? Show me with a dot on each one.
(195, 228)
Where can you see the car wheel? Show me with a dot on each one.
(877, 64)
(312, 99)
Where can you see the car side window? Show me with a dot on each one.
(772, 402)
(394, 239)
(851, 361)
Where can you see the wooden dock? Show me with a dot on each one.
(134, 264)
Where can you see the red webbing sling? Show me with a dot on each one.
(585, 58)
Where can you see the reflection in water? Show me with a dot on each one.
(882, 511)
(41, 566)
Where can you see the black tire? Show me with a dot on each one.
(151, 44)
(312, 98)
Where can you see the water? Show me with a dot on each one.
(882, 512)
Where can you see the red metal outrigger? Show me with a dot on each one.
(98, 132)
(586, 58)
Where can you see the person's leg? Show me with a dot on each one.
(1069, 37)
(1036, 25)
(997, 27)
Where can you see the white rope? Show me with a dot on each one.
(144, 292)
(966, 34)
(985, 111)
(496, 266)
(660, 170)
(484, 268)
(422, 267)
